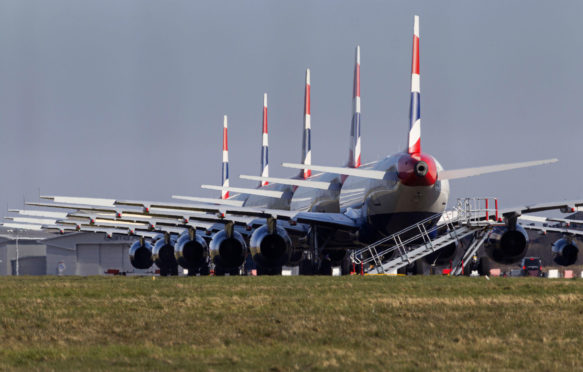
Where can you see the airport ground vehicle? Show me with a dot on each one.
(531, 266)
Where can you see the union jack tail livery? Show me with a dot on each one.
(225, 176)
(265, 145)
(307, 144)
(354, 151)
(415, 111)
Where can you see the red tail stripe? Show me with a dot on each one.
(416, 148)
(357, 82)
(225, 141)
(264, 119)
(307, 103)
(415, 64)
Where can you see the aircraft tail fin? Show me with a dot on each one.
(307, 138)
(225, 174)
(265, 145)
(414, 145)
(355, 150)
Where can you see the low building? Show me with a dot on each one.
(22, 252)
(39, 253)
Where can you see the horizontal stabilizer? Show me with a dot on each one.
(355, 172)
(266, 193)
(236, 203)
(469, 172)
(290, 181)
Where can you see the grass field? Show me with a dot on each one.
(287, 323)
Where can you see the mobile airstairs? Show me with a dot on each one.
(471, 216)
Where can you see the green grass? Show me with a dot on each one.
(287, 323)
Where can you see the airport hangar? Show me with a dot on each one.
(41, 253)
(87, 253)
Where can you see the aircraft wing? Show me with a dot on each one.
(338, 220)
(545, 229)
(110, 231)
(155, 218)
(545, 220)
(198, 213)
(564, 207)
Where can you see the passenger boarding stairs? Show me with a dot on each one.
(430, 235)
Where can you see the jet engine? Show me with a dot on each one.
(565, 251)
(228, 250)
(163, 255)
(141, 254)
(270, 247)
(191, 252)
(507, 244)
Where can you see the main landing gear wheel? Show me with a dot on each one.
(415, 268)
(484, 266)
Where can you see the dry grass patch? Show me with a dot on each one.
(287, 323)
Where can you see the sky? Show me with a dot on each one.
(125, 99)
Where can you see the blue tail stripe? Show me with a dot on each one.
(264, 157)
(415, 113)
(225, 172)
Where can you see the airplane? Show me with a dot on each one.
(299, 184)
(374, 200)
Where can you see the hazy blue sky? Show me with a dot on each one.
(125, 99)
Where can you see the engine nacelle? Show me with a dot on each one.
(141, 255)
(270, 250)
(565, 252)
(228, 250)
(163, 255)
(505, 245)
(191, 252)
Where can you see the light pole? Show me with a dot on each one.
(17, 252)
